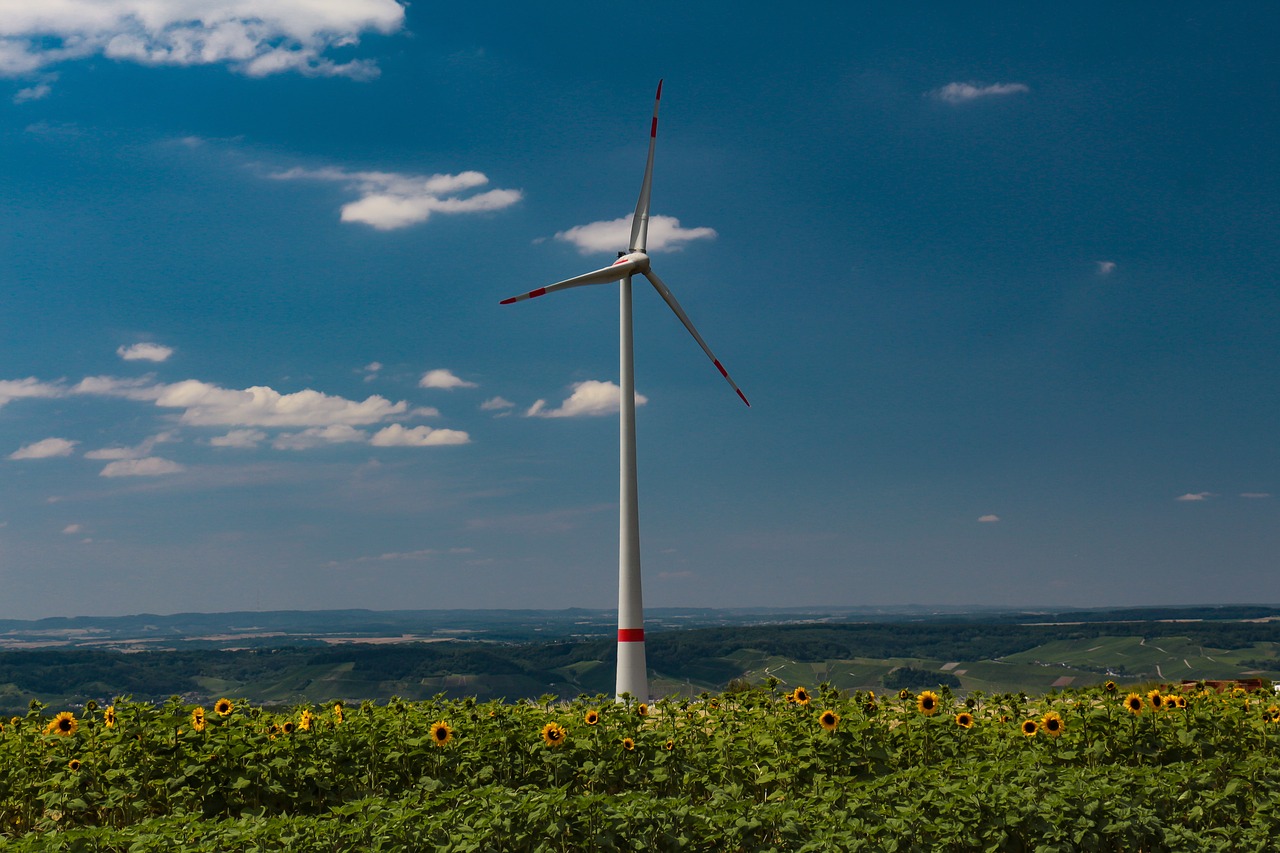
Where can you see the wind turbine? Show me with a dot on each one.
(632, 677)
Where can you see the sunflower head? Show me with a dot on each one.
(1133, 703)
(553, 734)
(338, 716)
(927, 702)
(1156, 700)
(643, 709)
(829, 720)
(904, 693)
(670, 745)
(713, 703)
(305, 721)
(1110, 687)
(1030, 727)
(109, 716)
(1182, 702)
(964, 720)
(287, 727)
(800, 696)
(1052, 724)
(628, 744)
(592, 717)
(441, 733)
(223, 707)
(64, 724)
(74, 765)
(197, 719)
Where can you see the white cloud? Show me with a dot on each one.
(1195, 496)
(143, 449)
(144, 352)
(209, 405)
(17, 389)
(420, 436)
(665, 235)
(443, 379)
(494, 404)
(36, 92)
(150, 466)
(371, 370)
(318, 437)
(255, 37)
(143, 388)
(47, 448)
(962, 93)
(592, 397)
(241, 438)
(71, 529)
(988, 519)
(390, 200)
(1106, 267)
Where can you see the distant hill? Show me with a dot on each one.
(289, 658)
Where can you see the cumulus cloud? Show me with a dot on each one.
(204, 404)
(963, 93)
(242, 438)
(144, 352)
(396, 435)
(443, 379)
(390, 200)
(17, 389)
(988, 519)
(1195, 496)
(592, 397)
(665, 235)
(496, 404)
(47, 448)
(1106, 267)
(150, 466)
(318, 437)
(254, 37)
(142, 388)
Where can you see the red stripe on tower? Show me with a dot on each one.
(630, 635)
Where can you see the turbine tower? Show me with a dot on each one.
(632, 675)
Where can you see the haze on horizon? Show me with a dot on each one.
(1000, 284)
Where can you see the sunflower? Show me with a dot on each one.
(553, 734)
(628, 744)
(927, 702)
(1052, 724)
(74, 765)
(337, 713)
(1156, 700)
(800, 696)
(829, 720)
(223, 707)
(287, 727)
(592, 717)
(964, 720)
(713, 704)
(643, 709)
(305, 721)
(1182, 702)
(197, 719)
(670, 745)
(109, 717)
(1110, 687)
(1030, 727)
(1133, 703)
(64, 724)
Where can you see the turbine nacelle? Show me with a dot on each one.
(631, 262)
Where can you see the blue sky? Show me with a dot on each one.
(999, 281)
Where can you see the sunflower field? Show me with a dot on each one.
(763, 769)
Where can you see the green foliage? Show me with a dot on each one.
(759, 769)
(917, 679)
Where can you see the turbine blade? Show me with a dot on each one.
(669, 298)
(618, 271)
(640, 221)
